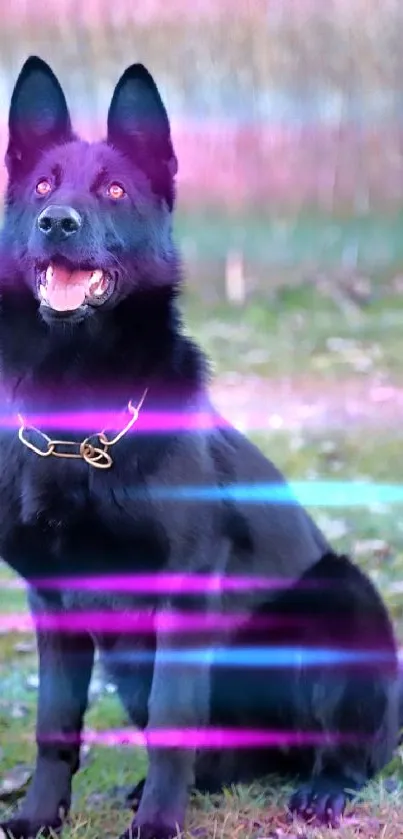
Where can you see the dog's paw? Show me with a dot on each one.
(24, 828)
(151, 830)
(321, 801)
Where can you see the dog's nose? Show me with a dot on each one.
(58, 223)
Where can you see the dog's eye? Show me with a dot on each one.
(116, 191)
(43, 187)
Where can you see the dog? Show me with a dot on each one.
(90, 327)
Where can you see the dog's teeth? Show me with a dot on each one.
(42, 291)
(49, 273)
(96, 277)
(97, 283)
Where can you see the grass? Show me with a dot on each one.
(289, 332)
(286, 335)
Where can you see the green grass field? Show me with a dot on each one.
(291, 338)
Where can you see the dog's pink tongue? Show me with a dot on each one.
(66, 290)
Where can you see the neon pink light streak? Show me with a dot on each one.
(137, 623)
(162, 583)
(209, 738)
(96, 420)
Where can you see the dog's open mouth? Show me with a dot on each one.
(66, 289)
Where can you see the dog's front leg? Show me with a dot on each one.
(65, 666)
(179, 699)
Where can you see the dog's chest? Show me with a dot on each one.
(108, 617)
(95, 601)
(106, 601)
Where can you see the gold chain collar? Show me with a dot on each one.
(96, 456)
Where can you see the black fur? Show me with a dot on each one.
(63, 517)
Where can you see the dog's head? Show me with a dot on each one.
(89, 223)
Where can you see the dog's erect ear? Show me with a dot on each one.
(138, 125)
(39, 117)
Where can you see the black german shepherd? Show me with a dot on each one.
(89, 323)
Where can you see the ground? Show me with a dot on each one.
(321, 390)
